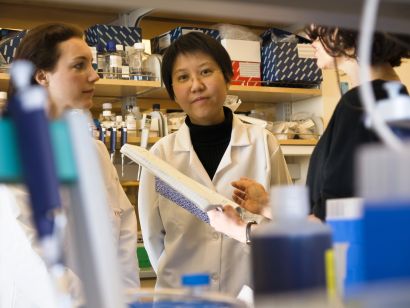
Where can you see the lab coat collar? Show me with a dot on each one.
(239, 137)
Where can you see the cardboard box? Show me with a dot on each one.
(288, 64)
(246, 73)
(8, 46)
(101, 34)
(246, 61)
(161, 42)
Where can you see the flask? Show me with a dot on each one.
(289, 254)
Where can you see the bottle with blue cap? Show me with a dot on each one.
(197, 283)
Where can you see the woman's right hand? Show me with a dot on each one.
(250, 195)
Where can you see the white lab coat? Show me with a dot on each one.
(124, 222)
(176, 241)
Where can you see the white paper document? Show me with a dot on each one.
(196, 198)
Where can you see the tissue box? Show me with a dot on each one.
(161, 42)
(101, 34)
(8, 46)
(246, 61)
(288, 64)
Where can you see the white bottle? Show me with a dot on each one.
(106, 116)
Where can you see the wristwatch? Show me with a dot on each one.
(248, 231)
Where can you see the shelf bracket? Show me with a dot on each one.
(132, 18)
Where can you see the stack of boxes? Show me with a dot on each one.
(99, 35)
(160, 43)
(8, 46)
(288, 63)
(246, 61)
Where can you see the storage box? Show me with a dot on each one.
(8, 46)
(101, 34)
(288, 64)
(246, 61)
(161, 42)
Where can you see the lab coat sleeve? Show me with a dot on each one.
(279, 169)
(125, 222)
(152, 228)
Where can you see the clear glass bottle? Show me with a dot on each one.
(3, 99)
(136, 62)
(93, 50)
(101, 63)
(130, 120)
(113, 61)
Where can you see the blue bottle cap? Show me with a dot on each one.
(100, 48)
(111, 46)
(195, 279)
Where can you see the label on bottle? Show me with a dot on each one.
(115, 61)
(125, 69)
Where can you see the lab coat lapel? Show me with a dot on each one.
(239, 138)
(183, 143)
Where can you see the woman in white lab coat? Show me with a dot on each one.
(63, 64)
(213, 147)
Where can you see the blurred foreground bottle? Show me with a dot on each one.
(289, 254)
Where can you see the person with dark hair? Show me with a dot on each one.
(330, 174)
(212, 147)
(331, 168)
(63, 66)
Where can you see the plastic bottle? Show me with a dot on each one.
(197, 283)
(107, 116)
(159, 125)
(130, 120)
(289, 254)
(113, 61)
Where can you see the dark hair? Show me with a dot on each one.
(387, 48)
(40, 46)
(190, 43)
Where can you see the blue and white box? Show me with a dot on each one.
(101, 34)
(8, 46)
(288, 63)
(161, 42)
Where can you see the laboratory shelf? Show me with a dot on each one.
(115, 88)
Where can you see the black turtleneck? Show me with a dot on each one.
(210, 142)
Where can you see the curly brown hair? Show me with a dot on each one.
(387, 48)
